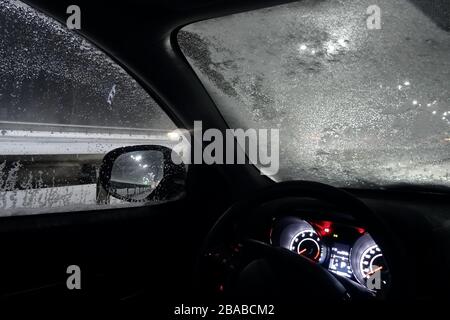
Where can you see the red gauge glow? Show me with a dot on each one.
(361, 230)
(324, 228)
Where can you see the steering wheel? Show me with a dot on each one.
(256, 270)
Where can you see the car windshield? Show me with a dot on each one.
(360, 93)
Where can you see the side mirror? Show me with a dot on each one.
(142, 173)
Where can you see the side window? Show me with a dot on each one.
(63, 105)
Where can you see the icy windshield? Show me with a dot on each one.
(360, 92)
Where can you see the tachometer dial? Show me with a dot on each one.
(308, 244)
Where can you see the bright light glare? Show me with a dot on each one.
(331, 48)
(136, 158)
(342, 42)
(173, 135)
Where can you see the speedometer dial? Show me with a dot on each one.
(372, 261)
(308, 244)
(369, 265)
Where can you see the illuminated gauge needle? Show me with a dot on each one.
(302, 251)
(373, 271)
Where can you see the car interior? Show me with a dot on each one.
(221, 233)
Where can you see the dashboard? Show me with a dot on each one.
(346, 251)
(370, 246)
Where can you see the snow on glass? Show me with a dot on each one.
(355, 107)
(63, 105)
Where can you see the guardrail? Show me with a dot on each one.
(24, 138)
(54, 127)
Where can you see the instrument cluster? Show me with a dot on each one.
(347, 251)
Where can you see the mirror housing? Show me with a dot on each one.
(142, 173)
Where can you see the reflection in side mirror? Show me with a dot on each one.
(141, 173)
(137, 174)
